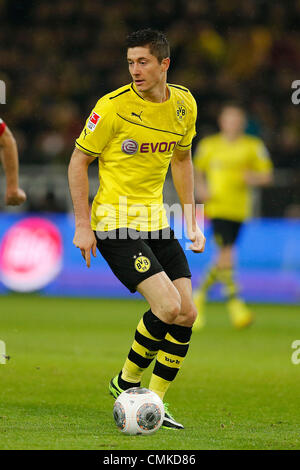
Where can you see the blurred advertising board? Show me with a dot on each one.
(37, 255)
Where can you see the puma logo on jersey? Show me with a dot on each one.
(85, 133)
(137, 115)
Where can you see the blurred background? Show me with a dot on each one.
(58, 58)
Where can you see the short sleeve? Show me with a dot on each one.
(201, 156)
(99, 129)
(2, 127)
(186, 141)
(260, 160)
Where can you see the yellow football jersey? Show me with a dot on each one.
(134, 140)
(225, 163)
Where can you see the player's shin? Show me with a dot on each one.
(240, 314)
(225, 276)
(169, 359)
(148, 337)
(210, 279)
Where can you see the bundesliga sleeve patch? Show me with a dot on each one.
(93, 121)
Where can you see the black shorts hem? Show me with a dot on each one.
(173, 278)
(129, 257)
(152, 273)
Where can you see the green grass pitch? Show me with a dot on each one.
(236, 389)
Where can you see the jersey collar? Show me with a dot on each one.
(133, 87)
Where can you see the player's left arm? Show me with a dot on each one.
(255, 178)
(183, 179)
(261, 171)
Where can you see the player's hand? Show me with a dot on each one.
(15, 197)
(198, 239)
(85, 240)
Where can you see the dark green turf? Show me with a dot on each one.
(236, 390)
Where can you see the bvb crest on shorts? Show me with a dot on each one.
(181, 110)
(141, 263)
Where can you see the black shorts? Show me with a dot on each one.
(225, 231)
(134, 256)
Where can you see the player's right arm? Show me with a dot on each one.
(84, 237)
(9, 156)
(96, 134)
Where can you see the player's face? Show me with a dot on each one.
(145, 69)
(232, 121)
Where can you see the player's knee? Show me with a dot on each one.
(192, 315)
(189, 316)
(170, 309)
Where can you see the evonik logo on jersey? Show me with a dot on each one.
(131, 147)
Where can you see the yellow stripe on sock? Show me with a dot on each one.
(210, 279)
(131, 372)
(169, 360)
(173, 340)
(142, 351)
(226, 277)
(143, 331)
(159, 385)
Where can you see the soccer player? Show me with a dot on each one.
(9, 156)
(135, 132)
(227, 165)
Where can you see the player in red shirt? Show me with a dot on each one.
(14, 195)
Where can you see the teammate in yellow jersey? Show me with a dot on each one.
(135, 132)
(227, 165)
(14, 195)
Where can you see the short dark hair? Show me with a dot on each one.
(156, 40)
(233, 104)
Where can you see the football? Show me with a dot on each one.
(138, 411)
